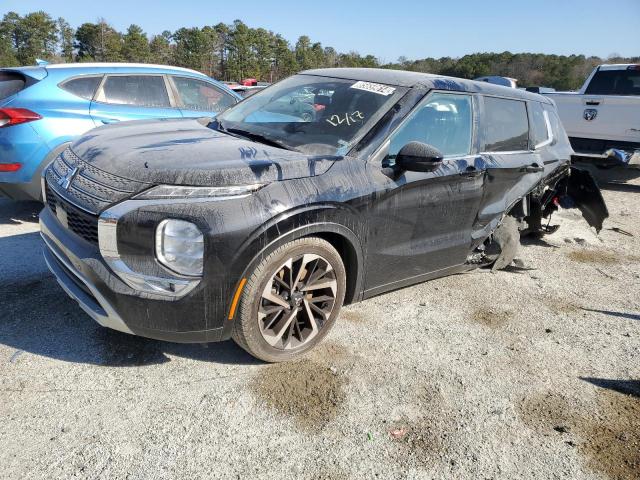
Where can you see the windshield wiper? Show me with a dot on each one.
(259, 138)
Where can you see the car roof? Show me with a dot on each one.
(62, 71)
(617, 66)
(68, 69)
(110, 66)
(404, 78)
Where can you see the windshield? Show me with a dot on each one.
(310, 114)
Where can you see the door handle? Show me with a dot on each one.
(471, 171)
(533, 168)
(107, 121)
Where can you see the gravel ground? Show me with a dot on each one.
(528, 373)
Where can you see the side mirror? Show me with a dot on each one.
(418, 157)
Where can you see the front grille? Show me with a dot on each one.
(81, 223)
(89, 188)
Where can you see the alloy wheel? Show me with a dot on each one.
(297, 301)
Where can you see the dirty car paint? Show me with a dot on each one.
(392, 228)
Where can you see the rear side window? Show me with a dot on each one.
(196, 94)
(139, 90)
(539, 120)
(84, 87)
(615, 82)
(10, 84)
(557, 130)
(506, 125)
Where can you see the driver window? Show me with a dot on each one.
(444, 122)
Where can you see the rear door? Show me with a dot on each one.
(513, 164)
(132, 97)
(199, 98)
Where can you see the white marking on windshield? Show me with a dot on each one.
(347, 118)
(374, 88)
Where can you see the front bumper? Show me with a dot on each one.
(80, 288)
(86, 278)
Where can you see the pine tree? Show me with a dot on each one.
(135, 45)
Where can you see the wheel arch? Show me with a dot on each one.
(305, 224)
(340, 237)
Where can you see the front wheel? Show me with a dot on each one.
(291, 300)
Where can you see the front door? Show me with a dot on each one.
(198, 98)
(421, 221)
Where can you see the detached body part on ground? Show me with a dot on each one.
(261, 224)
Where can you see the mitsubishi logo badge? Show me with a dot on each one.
(65, 182)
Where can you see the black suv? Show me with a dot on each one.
(259, 225)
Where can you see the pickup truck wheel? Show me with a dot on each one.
(291, 300)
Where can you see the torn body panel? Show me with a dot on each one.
(582, 189)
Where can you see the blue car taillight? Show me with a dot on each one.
(16, 116)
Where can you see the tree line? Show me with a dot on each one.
(236, 51)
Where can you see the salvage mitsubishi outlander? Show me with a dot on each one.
(327, 188)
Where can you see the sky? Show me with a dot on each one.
(387, 29)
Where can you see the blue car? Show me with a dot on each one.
(44, 108)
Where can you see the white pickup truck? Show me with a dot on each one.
(602, 120)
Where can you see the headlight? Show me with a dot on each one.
(172, 191)
(180, 247)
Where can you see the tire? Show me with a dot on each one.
(267, 329)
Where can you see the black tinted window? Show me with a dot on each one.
(615, 82)
(84, 87)
(539, 130)
(506, 125)
(10, 84)
(444, 121)
(139, 90)
(198, 95)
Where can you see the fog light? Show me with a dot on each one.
(180, 247)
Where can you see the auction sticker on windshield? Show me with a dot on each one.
(374, 87)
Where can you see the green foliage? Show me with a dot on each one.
(23, 39)
(7, 45)
(98, 42)
(237, 51)
(135, 45)
(65, 38)
(160, 48)
(530, 69)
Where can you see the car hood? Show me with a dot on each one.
(187, 152)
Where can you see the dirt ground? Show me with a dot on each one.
(530, 373)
